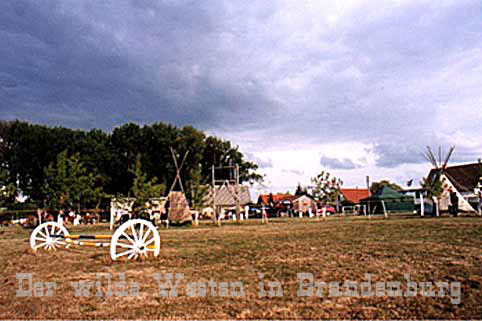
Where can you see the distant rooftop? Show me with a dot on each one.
(354, 195)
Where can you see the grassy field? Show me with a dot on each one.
(339, 249)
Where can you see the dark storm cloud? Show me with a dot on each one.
(99, 64)
(386, 74)
(60, 72)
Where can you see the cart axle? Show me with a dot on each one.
(82, 237)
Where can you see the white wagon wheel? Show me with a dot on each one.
(135, 238)
(42, 236)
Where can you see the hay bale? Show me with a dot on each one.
(179, 211)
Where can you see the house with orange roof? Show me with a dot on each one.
(277, 203)
(276, 199)
(353, 196)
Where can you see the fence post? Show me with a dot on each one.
(384, 209)
(422, 205)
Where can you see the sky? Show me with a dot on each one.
(355, 88)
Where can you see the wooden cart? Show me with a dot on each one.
(133, 239)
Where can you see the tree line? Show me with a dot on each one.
(62, 167)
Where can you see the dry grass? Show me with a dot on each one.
(340, 249)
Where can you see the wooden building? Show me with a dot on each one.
(226, 198)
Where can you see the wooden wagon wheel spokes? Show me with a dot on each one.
(131, 241)
(43, 236)
(144, 237)
(133, 230)
(134, 239)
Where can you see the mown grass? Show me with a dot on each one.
(338, 249)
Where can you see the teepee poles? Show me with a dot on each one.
(178, 170)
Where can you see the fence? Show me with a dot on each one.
(15, 215)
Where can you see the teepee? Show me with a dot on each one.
(178, 207)
(439, 183)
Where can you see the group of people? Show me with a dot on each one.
(73, 218)
(122, 215)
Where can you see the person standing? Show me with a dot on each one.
(264, 216)
(435, 209)
(454, 202)
(246, 212)
(60, 217)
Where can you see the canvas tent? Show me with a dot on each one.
(389, 199)
(464, 180)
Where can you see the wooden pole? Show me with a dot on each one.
(384, 209)
(435, 206)
(39, 214)
(422, 205)
(213, 194)
(238, 205)
(112, 213)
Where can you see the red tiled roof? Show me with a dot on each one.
(276, 198)
(355, 194)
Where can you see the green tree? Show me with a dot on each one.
(26, 150)
(68, 183)
(326, 188)
(219, 152)
(142, 188)
(300, 190)
(199, 188)
(378, 186)
(432, 187)
(8, 189)
(125, 142)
